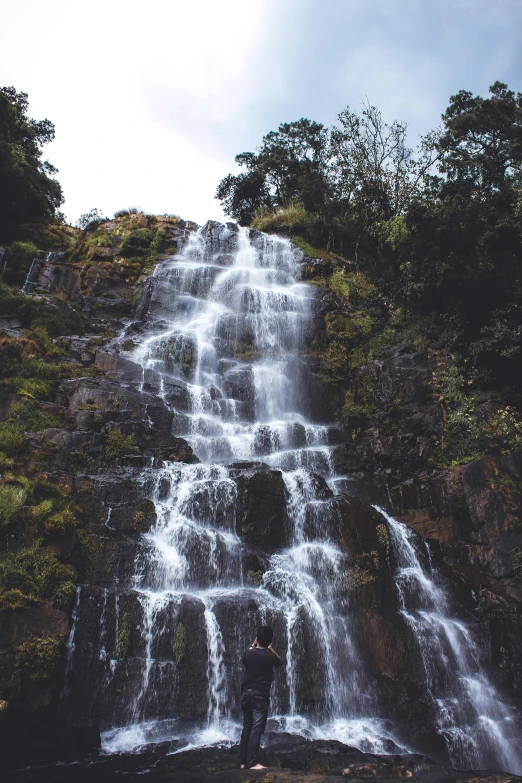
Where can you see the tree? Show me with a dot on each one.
(461, 260)
(291, 164)
(375, 174)
(27, 190)
(92, 216)
(483, 138)
(242, 194)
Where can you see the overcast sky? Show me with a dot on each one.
(152, 100)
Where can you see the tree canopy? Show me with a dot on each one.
(28, 190)
(437, 228)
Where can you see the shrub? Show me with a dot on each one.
(33, 570)
(60, 524)
(42, 510)
(137, 243)
(12, 499)
(20, 256)
(294, 217)
(39, 655)
(255, 578)
(93, 217)
(13, 599)
(29, 414)
(13, 440)
(33, 387)
(162, 242)
(129, 211)
(5, 461)
(64, 595)
(119, 445)
(358, 577)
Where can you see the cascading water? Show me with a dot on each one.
(480, 730)
(223, 347)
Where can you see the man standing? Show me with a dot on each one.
(259, 661)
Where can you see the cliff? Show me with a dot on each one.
(84, 424)
(68, 424)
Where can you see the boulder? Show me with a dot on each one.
(261, 512)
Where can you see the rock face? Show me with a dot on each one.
(258, 538)
(106, 431)
(470, 514)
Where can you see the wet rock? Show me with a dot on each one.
(118, 368)
(178, 353)
(134, 518)
(220, 238)
(247, 465)
(261, 514)
(238, 384)
(362, 530)
(123, 404)
(290, 758)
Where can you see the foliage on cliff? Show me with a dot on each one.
(132, 240)
(438, 230)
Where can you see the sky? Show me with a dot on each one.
(152, 100)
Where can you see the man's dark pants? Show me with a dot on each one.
(254, 722)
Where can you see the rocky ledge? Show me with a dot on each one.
(289, 759)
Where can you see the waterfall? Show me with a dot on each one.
(29, 278)
(223, 344)
(481, 731)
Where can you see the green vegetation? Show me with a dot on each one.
(28, 191)
(436, 231)
(132, 240)
(42, 318)
(20, 256)
(11, 501)
(124, 637)
(474, 421)
(358, 577)
(13, 440)
(44, 502)
(94, 216)
(30, 574)
(119, 445)
(383, 537)
(39, 655)
(354, 332)
(137, 243)
(64, 596)
(29, 414)
(255, 578)
(180, 643)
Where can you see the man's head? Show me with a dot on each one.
(265, 635)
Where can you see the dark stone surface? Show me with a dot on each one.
(261, 514)
(290, 759)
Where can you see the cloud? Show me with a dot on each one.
(152, 101)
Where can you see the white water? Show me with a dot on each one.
(223, 345)
(481, 731)
(229, 340)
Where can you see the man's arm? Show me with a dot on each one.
(271, 649)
